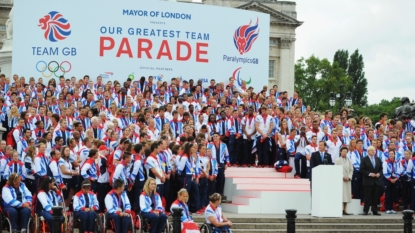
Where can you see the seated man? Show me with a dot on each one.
(85, 204)
(118, 207)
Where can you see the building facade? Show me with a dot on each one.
(5, 7)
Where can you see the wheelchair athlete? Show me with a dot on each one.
(48, 197)
(187, 220)
(118, 207)
(151, 207)
(85, 204)
(215, 217)
(17, 203)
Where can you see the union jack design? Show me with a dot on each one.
(55, 26)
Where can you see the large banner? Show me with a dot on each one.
(124, 38)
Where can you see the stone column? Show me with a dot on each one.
(6, 50)
(285, 78)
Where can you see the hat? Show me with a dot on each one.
(102, 147)
(86, 183)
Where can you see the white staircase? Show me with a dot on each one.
(265, 191)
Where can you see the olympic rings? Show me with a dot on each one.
(53, 67)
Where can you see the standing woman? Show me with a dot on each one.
(67, 172)
(344, 161)
(203, 179)
(90, 169)
(352, 148)
(281, 139)
(391, 176)
(151, 207)
(29, 163)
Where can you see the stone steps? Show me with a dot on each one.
(306, 224)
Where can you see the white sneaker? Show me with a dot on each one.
(393, 212)
(388, 212)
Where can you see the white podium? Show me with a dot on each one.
(327, 191)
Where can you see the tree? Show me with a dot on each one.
(315, 79)
(357, 75)
(342, 58)
(374, 110)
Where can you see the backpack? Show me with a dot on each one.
(10, 139)
(110, 164)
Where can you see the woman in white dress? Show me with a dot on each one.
(344, 161)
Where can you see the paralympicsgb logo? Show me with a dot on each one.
(56, 27)
(245, 36)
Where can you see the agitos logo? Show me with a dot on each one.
(245, 36)
(237, 77)
(55, 26)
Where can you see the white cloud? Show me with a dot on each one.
(380, 29)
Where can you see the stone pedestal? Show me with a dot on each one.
(2, 131)
(6, 58)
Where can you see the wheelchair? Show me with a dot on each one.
(110, 225)
(145, 225)
(41, 226)
(6, 225)
(75, 223)
(208, 228)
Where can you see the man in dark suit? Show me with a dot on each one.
(320, 157)
(371, 169)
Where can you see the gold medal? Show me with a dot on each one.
(192, 170)
(164, 164)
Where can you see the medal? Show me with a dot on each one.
(192, 170)
(164, 164)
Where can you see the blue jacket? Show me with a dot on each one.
(9, 196)
(111, 203)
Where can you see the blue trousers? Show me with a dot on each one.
(121, 223)
(49, 219)
(357, 187)
(303, 170)
(157, 222)
(87, 220)
(224, 229)
(391, 192)
(406, 193)
(211, 187)
(231, 146)
(203, 191)
(14, 214)
(220, 179)
(263, 151)
(193, 190)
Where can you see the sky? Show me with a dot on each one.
(382, 30)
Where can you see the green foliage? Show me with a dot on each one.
(315, 78)
(356, 73)
(374, 110)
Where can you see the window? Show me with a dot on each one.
(271, 68)
(272, 42)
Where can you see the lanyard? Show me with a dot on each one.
(119, 201)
